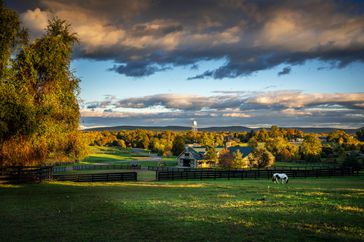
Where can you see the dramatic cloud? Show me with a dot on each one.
(279, 107)
(144, 36)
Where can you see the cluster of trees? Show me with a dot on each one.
(39, 112)
(258, 158)
(283, 144)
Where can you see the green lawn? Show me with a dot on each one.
(116, 156)
(304, 164)
(326, 209)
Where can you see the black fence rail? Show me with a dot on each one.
(57, 169)
(156, 168)
(25, 174)
(98, 177)
(251, 173)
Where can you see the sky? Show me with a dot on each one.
(220, 62)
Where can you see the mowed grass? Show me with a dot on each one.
(325, 209)
(116, 156)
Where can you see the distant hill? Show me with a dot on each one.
(212, 129)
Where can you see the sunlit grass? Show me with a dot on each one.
(326, 209)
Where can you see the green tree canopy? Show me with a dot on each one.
(178, 145)
(38, 106)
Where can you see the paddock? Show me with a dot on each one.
(210, 210)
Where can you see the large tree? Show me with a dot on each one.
(261, 158)
(311, 148)
(39, 109)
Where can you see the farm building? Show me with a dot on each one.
(192, 156)
(189, 158)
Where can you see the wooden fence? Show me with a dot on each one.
(251, 173)
(98, 177)
(57, 169)
(28, 174)
(171, 168)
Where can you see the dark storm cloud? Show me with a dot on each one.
(138, 69)
(285, 71)
(146, 36)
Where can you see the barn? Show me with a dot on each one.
(189, 158)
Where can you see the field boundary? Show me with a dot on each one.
(57, 169)
(25, 174)
(98, 177)
(251, 173)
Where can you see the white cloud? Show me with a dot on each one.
(35, 20)
(237, 115)
(298, 99)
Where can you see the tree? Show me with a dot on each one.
(252, 142)
(12, 35)
(282, 149)
(39, 100)
(211, 155)
(354, 161)
(261, 158)
(226, 159)
(146, 142)
(360, 134)
(239, 161)
(311, 148)
(121, 143)
(178, 145)
(275, 132)
(261, 135)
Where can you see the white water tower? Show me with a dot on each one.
(194, 126)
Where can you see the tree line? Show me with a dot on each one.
(268, 145)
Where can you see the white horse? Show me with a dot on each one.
(280, 178)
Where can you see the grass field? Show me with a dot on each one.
(326, 209)
(114, 155)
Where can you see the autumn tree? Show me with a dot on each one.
(39, 109)
(211, 155)
(253, 142)
(347, 141)
(282, 149)
(261, 158)
(311, 148)
(226, 159)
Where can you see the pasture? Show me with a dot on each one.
(115, 156)
(324, 209)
